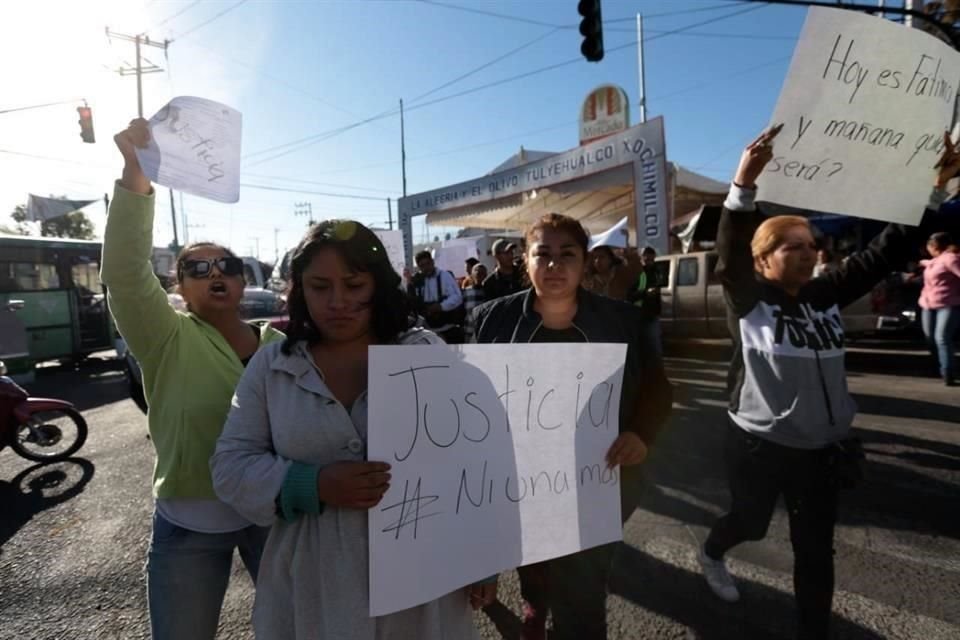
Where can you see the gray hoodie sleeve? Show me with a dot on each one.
(247, 473)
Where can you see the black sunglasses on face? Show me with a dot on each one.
(203, 268)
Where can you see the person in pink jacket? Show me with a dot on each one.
(940, 301)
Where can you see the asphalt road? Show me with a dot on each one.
(73, 535)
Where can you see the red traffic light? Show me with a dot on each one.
(86, 124)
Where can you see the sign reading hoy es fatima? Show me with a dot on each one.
(498, 460)
(642, 146)
(864, 107)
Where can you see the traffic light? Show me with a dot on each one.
(591, 28)
(86, 124)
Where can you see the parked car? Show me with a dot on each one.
(694, 304)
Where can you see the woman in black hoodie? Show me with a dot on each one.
(790, 411)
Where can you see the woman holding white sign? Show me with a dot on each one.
(191, 363)
(558, 309)
(790, 411)
(293, 451)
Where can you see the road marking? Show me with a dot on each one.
(889, 622)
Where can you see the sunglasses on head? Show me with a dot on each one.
(228, 266)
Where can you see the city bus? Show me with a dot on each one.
(54, 285)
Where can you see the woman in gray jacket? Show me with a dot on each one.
(292, 453)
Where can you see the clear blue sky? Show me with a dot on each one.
(296, 69)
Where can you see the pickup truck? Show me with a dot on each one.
(694, 305)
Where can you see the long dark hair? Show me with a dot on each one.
(362, 250)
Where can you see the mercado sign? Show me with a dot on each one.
(604, 112)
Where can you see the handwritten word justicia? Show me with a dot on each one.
(203, 147)
(473, 416)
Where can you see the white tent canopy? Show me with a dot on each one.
(598, 200)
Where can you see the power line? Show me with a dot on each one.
(351, 196)
(488, 64)
(320, 184)
(493, 14)
(62, 160)
(736, 36)
(302, 143)
(277, 79)
(177, 14)
(540, 23)
(205, 23)
(649, 16)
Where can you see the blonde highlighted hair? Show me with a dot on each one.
(772, 233)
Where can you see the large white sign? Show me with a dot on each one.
(865, 105)
(615, 236)
(498, 461)
(393, 242)
(195, 148)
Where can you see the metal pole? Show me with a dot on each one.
(389, 215)
(276, 245)
(173, 220)
(643, 83)
(183, 221)
(403, 151)
(140, 85)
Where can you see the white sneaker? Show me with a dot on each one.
(719, 579)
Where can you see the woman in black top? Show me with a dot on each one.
(558, 309)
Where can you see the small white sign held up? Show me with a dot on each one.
(195, 148)
(864, 107)
(393, 243)
(615, 236)
(498, 461)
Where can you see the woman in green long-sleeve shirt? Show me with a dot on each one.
(191, 363)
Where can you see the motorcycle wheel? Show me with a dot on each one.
(60, 434)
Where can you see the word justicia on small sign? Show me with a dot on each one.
(195, 148)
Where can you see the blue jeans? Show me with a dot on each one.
(187, 576)
(939, 326)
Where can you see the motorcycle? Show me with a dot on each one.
(40, 429)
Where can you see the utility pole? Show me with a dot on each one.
(389, 215)
(643, 81)
(183, 221)
(139, 70)
(256, 240)
(304, 209)
(912, 5)
(403, 151)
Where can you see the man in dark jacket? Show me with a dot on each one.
(506, 278)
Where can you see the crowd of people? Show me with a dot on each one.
(260, 437)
